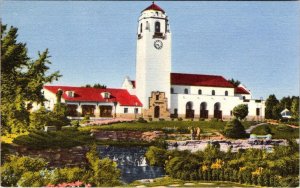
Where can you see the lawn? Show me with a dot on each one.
(167, 181)
(165, 126)
(278, 131)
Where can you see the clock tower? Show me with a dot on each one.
(153, 62)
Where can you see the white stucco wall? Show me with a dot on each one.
(193, 90)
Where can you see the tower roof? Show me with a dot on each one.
(153, 6)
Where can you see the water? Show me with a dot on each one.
(132, 162)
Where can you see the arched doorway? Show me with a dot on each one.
(189, 112)
(156, 112)
(203, 110)
(217, 111)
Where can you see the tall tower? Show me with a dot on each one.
(153, 61)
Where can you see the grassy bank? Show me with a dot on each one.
(165, 126)
(278, 131)
(167, 181)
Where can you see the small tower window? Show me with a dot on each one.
(199, 92)
(172, 90)
(157, 97)
(147, 25)
(141, 28)
(157, 27)
(186, 91)
(213, 92)
(226, 93)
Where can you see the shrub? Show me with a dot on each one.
(214, 120)
(234, 129)
(179, 119)
(150, 119)
(201, 119)
(161, 119)
(141, 120)
(284, 128)
(75, 123)
(156, 156)
(240, 111)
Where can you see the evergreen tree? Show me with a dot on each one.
(240, 111)
(236, 83)
(22, 80)
(271, 102)
(295, 108)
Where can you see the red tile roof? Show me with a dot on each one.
(154, 7)
(199, 80)
(85, 94)
(241, 90)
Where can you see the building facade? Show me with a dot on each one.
(157, 92)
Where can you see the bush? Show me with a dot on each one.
(141, 120)
(179, 119)
(201, 119)
(161, 119)
(240, 111)
(234, 129)
(156, 156)
(75, 123)
(150, 119)
(213, 120)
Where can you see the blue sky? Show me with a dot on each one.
(91, 42)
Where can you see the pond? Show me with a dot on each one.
(132, 162)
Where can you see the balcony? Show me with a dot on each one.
(159, 35)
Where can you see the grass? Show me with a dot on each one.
(278, 131)
(167, 181)
(165, 126)
(65, 138)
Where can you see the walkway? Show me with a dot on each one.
(253, 127)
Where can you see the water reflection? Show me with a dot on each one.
(132, 162)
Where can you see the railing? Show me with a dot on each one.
(159, 35)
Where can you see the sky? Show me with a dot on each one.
(91, 42)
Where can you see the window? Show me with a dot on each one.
(226, 93)
(141, 28)
(172, 90)
(186, 91)
(175, 111)
(199, 92)
(157, 27)
(257, 111)
(147, 25)
(244, 97)
(136, 110)
(231, 113)
(213, 92)
(157, 97)
(125, 110)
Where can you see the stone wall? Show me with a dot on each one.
(57, 157)
(157, 99)
(127, 135)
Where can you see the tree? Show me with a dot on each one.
(104, 171)
(156, 156)
(22, 80)
(295, 108)
(270, 103)
(236, 83)
(15, 167)
(99, 86)
(234, 129)
(276, 111)
(240, 111)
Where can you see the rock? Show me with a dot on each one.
(57, 156)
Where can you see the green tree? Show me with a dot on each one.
(104, 171)
(295, 108)
(240, 111)
(22, 80)
(234, 129)
(276, 111)
(156, 156)
(236, 83)
(99, 86)
(271, 102)
(13, 169)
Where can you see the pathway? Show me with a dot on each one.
(253, 127)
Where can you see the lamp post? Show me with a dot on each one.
(115, 104)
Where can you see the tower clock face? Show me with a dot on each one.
(158, 44)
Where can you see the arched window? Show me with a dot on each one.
(157, 27)
(199, 92)
(147, 25)
(141, 28)
(226, 93)
(186, 91)
(172, 90)
(213, 92)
